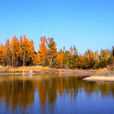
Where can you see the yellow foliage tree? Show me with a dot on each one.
(15, 51)
(8, 52)
(52, 52)
(28, 51)
(104, 56)
(60, 56)
(2, 55)
(43, 51)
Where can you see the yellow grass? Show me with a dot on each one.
(8, 69)
(34, 69)
(27, 69)
(102, 70)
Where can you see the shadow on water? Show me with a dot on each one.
(24, 93)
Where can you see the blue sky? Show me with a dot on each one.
(84, 23)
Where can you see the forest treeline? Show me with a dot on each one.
(19, 52)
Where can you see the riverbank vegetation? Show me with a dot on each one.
(28, 70)
(21, 52)
(103, 74)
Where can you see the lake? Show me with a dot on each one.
(53, 94)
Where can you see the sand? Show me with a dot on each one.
(99, 78)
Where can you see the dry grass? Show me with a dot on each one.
(104, 72)
(40, 69)
(34, 69)
(27, 69)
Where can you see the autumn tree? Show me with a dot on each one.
(35, 59)
(80, 62)
(15, 51)
(73, 56)
(28, 51)
(66, 59)
(96, 59)
(2, 55)
(60, 56)
(52, 52)
(8, 52)
(89, 58)
(104, 57)
(43, 51)
(111, 59)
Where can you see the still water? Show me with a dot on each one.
(50, 94)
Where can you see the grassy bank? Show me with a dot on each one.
(42, 70)
(102, 75)
(8, 69)
(104, 72)
(95, 75)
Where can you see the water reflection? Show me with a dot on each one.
(20, 92)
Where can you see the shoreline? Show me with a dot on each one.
(91, 75)
(28, 70)
(100, 78)
(81, 72)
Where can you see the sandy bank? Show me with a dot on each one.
(99, 78)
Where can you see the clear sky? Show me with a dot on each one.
(85, 23)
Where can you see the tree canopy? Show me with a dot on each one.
(18, 52)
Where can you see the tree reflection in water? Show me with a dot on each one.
(21, 92)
